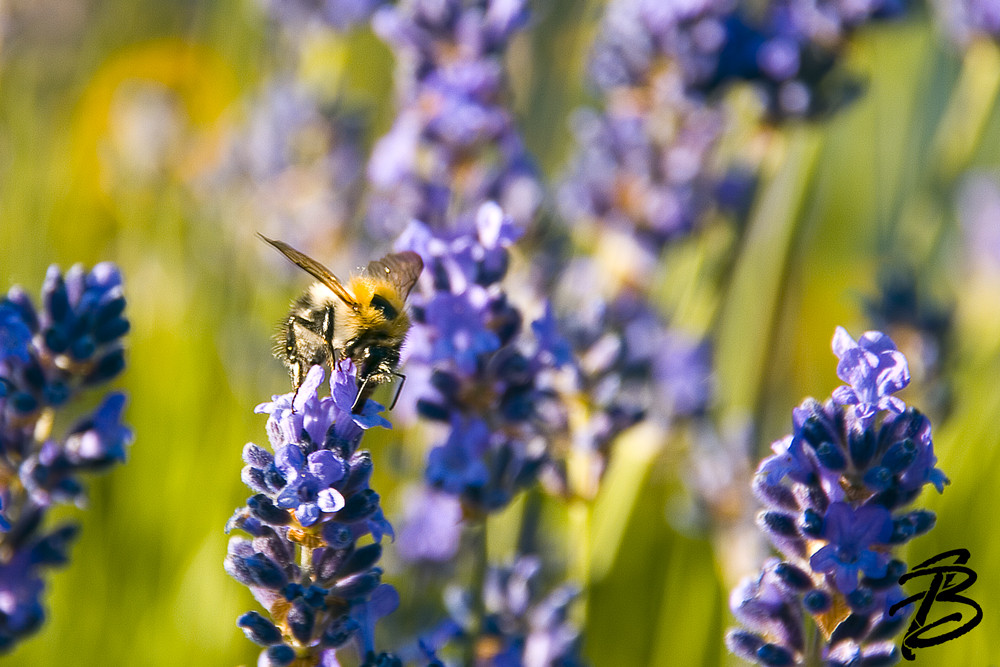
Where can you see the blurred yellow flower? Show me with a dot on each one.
(152, 114)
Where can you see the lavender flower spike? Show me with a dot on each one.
(454, 144)
(835, 493)
(49, 357)
(488, 374)
(312, 506)
(525, 623)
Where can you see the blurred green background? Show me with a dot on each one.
(82, 179)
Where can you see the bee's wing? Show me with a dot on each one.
(401, 269)
(315, 269)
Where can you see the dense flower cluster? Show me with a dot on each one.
(49, 358)
(306, 560)
(628, 353)
(454, 144)
(488, 376)
(788, 49)
(630, 364)
(521, 624)
(835, 493)
(643, 177)
(644, 164)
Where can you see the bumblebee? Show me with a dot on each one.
(364, 320)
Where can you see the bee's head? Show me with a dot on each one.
(377, 363)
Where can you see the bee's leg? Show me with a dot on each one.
(399, 389)
(298, 375)
(360, 399)
(327, 332)
(292, 358)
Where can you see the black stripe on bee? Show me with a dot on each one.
(382, 305)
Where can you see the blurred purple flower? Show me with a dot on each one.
(457, 466)
(20, 598)
(15, 336)
(431, 527)
(642, 169)
(642, 177)
(454, 144)
(551, 340)
(523, 624)
(337, 14)
(788, 49)
(459, 321)
(964, 21)
(296, 164)
(48, 358)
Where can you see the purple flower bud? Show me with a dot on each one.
(874, 369)
(278, 656)
(258, 629)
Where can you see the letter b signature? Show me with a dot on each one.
(944, 585)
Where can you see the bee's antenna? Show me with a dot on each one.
(399, 389)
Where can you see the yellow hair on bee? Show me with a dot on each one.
(365, 289)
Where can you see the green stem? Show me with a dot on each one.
(899, 166)
(814, 644)
(305, 563)
(480, 562)
(941, 149)
(961, 129)
(752, 304)
(527, 536)
(581, 514)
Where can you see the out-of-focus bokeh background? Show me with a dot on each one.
(117, 122)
